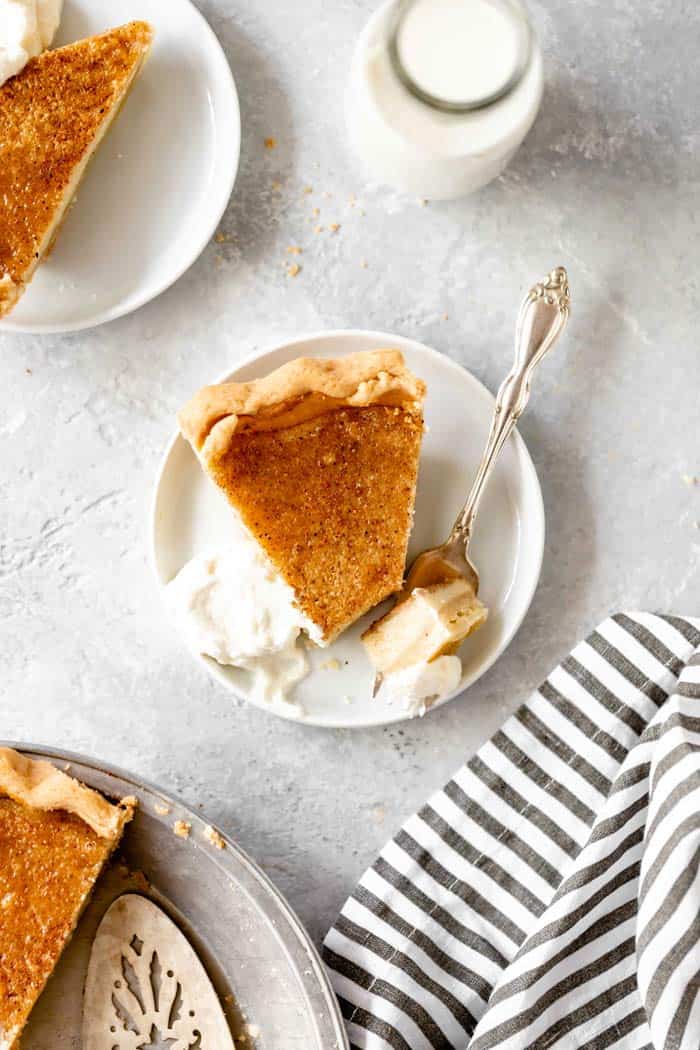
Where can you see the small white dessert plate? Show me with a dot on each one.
(191, 515)
(159, 183)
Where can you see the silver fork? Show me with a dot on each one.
(541, 320)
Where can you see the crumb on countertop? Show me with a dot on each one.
(318, 229)
(182, 829)
(334, 227)
(270, 142)
(293, 269)
(161, 809)
(294, 249)
(213, 836)
(378, 814)
(308, 189)
(331, 665)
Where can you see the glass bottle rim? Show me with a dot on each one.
(518, 13)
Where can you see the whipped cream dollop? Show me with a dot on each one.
(417, 687)
(27, 27)
(234, 606)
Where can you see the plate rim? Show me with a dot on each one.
(125, 307)
(60, 755)
(536, 557)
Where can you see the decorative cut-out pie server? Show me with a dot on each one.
(146, 987)
(541, 320)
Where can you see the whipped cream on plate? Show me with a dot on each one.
(233, 606)
(27, 27)
(417, 687)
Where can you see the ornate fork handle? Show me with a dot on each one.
(542, 318)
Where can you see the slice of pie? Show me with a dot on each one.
(53, 116)
(56, 836)
(431, 622)
(320, 460)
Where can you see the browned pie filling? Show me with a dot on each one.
(320, 460)
(50, 859)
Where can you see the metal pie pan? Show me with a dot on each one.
(265, 969)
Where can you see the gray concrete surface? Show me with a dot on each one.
(606, 183)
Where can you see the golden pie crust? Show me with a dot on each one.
(56, 835)
(299, 390)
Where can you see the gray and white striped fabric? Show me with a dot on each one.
(549, 896)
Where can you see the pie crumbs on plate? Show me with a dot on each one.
(213, 836)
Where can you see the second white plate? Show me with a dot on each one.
(158, 184)
(190, 514)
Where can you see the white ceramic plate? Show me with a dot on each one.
(190, 514)
(256, 952)
(158, 184)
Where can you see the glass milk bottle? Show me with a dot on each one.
(442, 92)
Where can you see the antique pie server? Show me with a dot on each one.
(146, 986)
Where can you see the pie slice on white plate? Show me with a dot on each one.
(53, 116)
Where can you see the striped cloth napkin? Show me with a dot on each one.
(549, 896)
